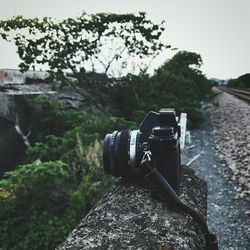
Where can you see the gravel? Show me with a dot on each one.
(230, 119)
(228, 210)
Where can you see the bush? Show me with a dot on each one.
(42, 202)
(56, 131)
(30, 213)
(242, 82)
(177, 84)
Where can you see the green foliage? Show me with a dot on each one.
(242, 82)
(108, 42)
(36, 193)
(52, 118)
(182, 78)
(74, 44)
(41, 202)
(178, 84)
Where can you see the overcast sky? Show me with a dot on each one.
(219, 30)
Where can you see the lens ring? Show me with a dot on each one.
(121, 154)
(133, 148)
(108, 152)
(112, 151)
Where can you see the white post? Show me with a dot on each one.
(183, 124)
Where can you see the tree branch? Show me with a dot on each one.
(19, 131)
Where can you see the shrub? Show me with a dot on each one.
(42, 202)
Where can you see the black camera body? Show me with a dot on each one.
(153, 151)
(123, 151)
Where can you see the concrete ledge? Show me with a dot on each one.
(128, 218)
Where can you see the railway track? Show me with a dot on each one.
(242, 94)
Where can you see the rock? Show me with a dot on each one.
(128, 218)
(11, 144)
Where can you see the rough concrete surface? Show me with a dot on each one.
(128, 218)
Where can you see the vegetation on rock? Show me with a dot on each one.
(60, 177)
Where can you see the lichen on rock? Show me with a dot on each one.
(128, 218)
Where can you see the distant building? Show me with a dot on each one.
(14, 76)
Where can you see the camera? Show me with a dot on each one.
(160, 131)
(153, 151)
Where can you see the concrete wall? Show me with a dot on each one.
(14, 76)
(128, 218)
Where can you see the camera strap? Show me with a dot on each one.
(159, 183)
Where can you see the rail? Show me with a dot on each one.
(242, 94)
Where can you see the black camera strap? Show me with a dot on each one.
(159, 183)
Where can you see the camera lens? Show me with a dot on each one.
(115, 153)
(120, 152)
(108, 149)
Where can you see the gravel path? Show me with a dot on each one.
(230, 118)
(228, 213)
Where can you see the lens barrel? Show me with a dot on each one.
(108, 151)
(120, 153)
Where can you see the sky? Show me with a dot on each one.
(218, 30)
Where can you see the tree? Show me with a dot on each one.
(185, 67)
(178, 83)
(183, 61)
(81, 43)
(242, 81)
